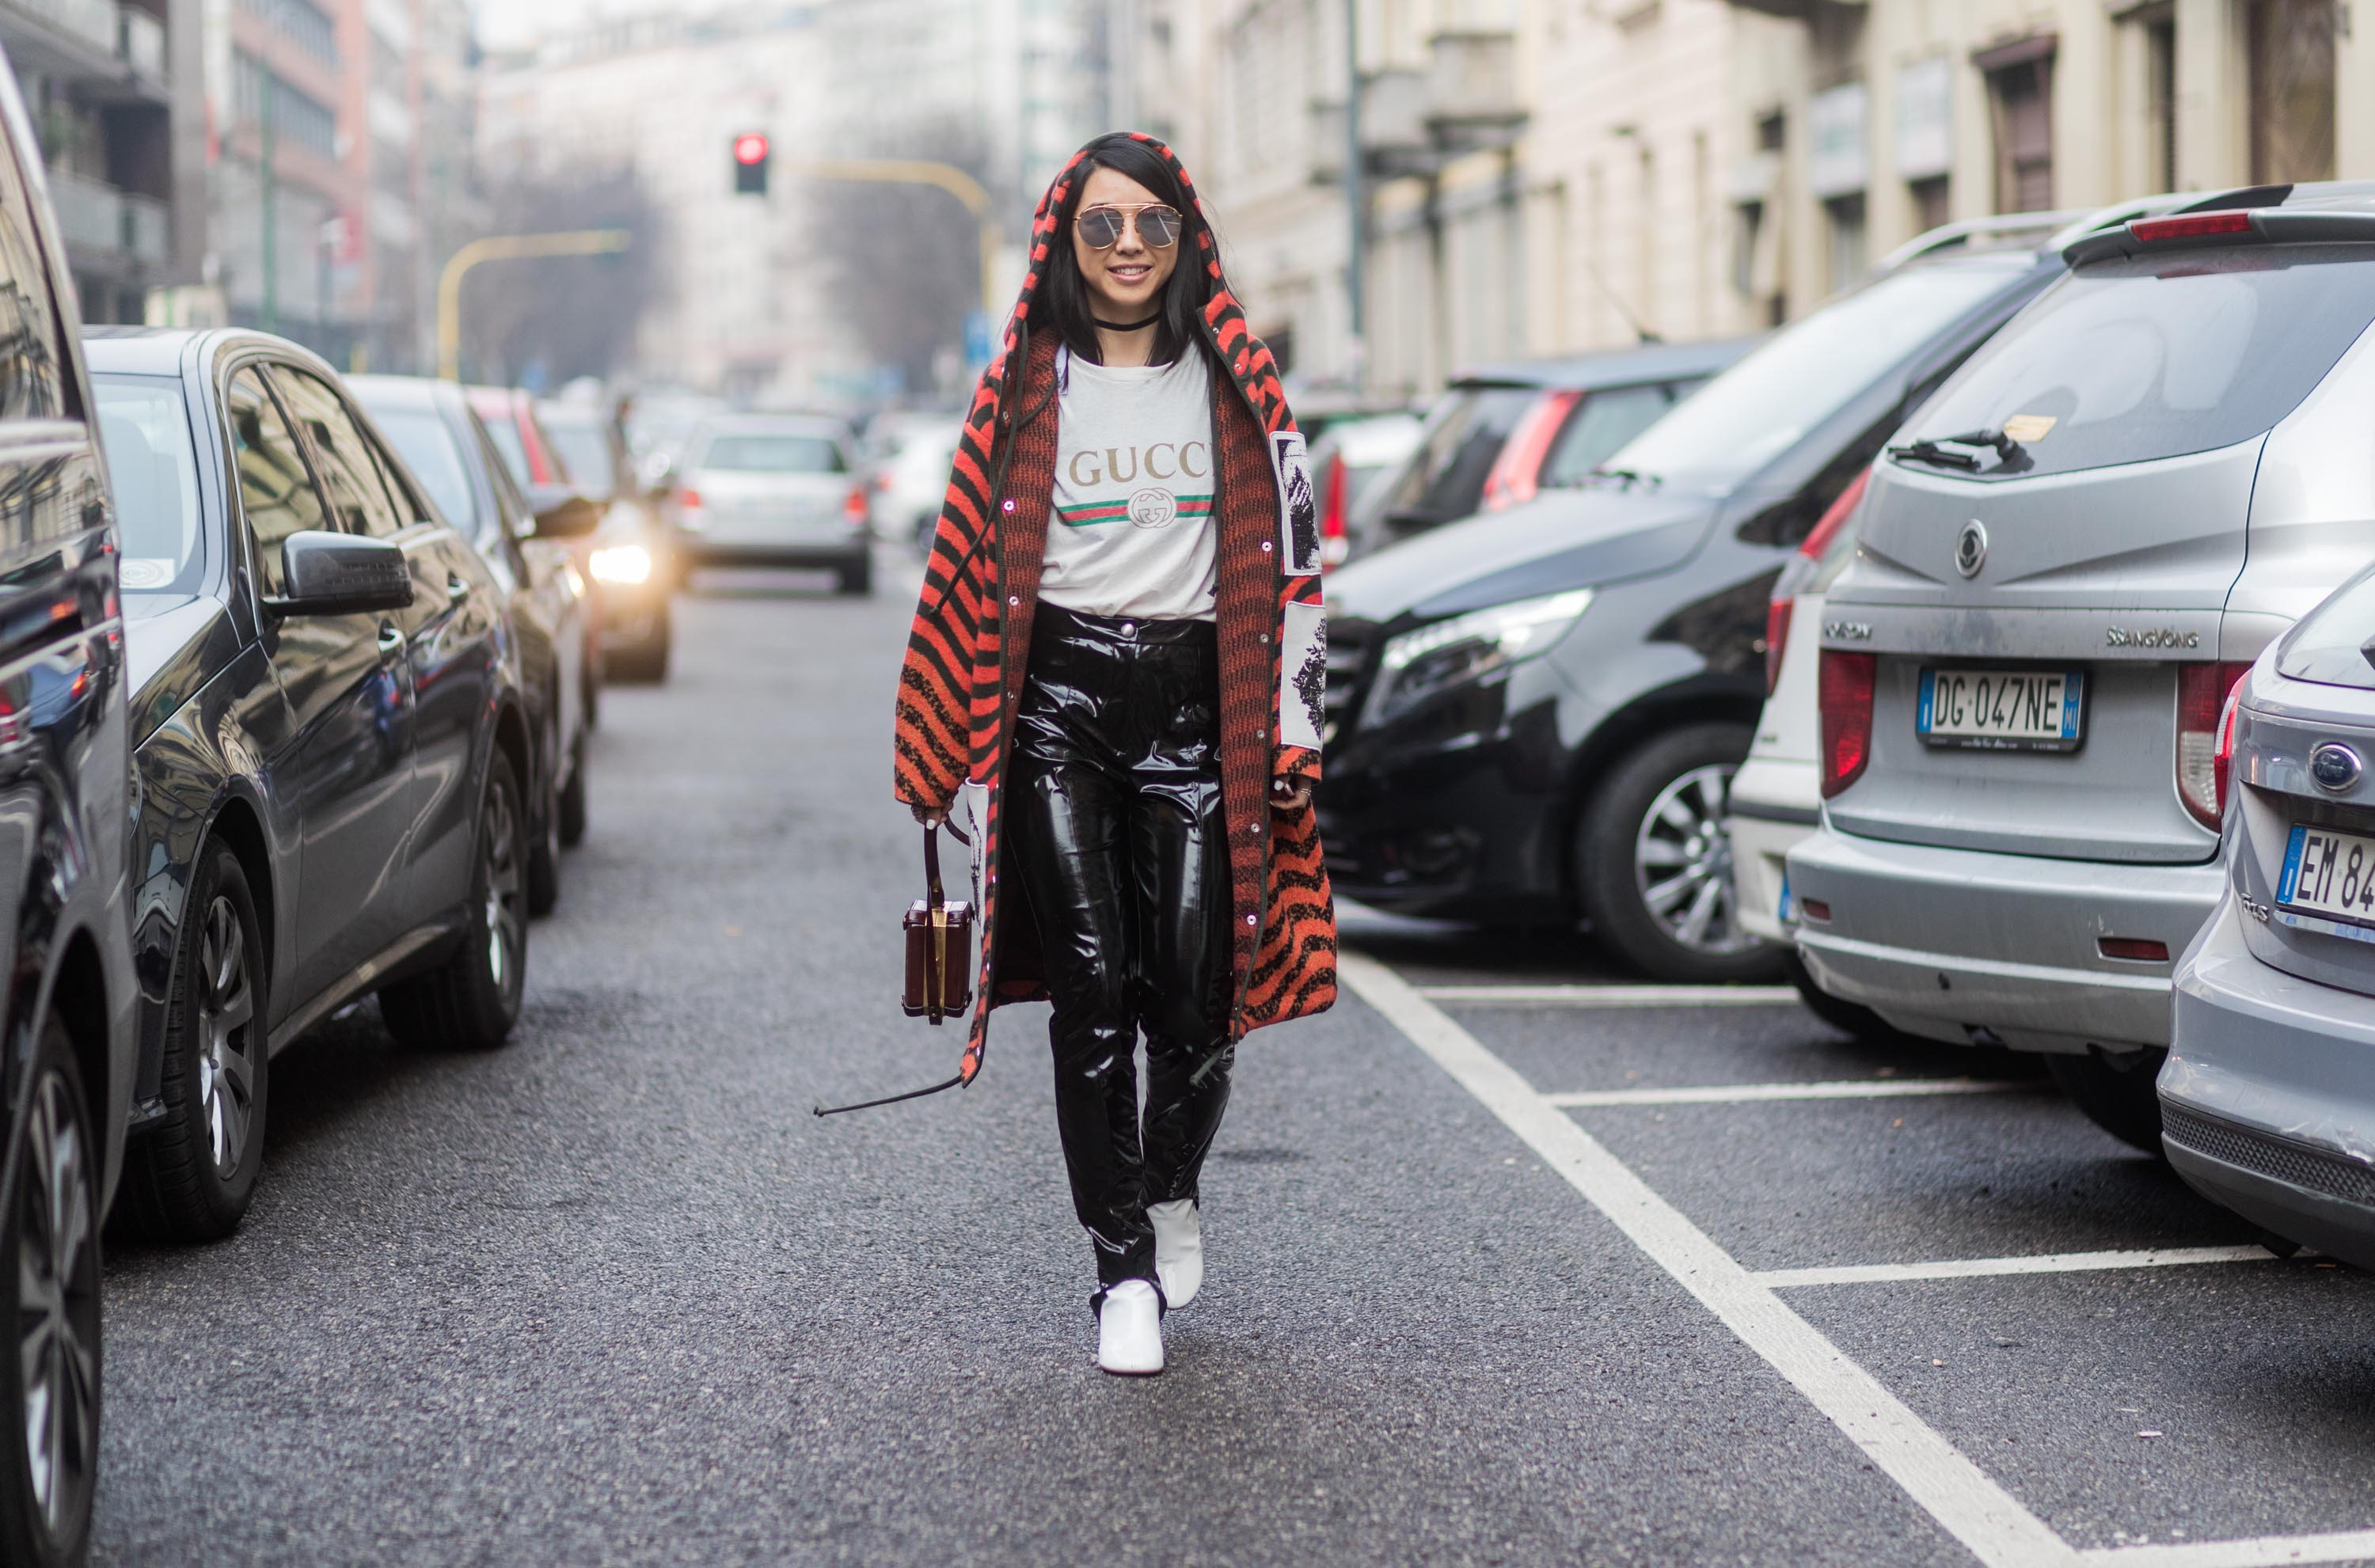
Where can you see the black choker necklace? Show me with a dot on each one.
(1126, 325)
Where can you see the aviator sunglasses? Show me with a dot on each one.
(1101, 228)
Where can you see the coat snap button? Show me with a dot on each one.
(1013, 598)
(1007, 507)
(1265, 547)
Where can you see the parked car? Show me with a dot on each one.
(1537, 713)
(332, 746)
(2267, 1103)
(519, 432)
(530, 548)
(1499, 434)
(71, 1085)
(913, 479)
(1777, 796)
(631, 562)
(1351, 459)
(776, 490)
(2068, 557)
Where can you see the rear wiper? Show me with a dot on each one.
(1933, 449)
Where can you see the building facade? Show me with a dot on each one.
(114, 92)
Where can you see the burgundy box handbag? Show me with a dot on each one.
(940, 945)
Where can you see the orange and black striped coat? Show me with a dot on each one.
(965, 662)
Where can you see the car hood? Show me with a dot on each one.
(1558, 541)
(171, 652)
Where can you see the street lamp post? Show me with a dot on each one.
(506, 247)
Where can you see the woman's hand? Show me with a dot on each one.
(1289, 795)
(925, 815)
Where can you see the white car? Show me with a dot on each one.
(1777, 796)
(913, 480)
(1350, 458)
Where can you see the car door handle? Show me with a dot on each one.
(391, 641)
(455, 589)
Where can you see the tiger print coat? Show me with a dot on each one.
(966, 654)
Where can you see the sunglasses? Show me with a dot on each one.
(1101, 228)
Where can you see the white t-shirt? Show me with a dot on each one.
(1131, 532)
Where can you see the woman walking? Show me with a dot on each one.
(1119, 658)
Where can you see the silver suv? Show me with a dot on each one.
(2069, 557)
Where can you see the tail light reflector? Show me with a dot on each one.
(853, 506)
(2222, 761)
(2201, 692)
(2137, 950)
(1845, 681)
(1517, 473)
(689, 499)
(1335, 535)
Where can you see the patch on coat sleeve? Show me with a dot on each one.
(1302, 675)
(1298, 505)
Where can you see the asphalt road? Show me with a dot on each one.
(611, 1294)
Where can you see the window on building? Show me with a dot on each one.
(296, 116)
(1843, 218)
(2291, 49)
(2020, 101)
(2160, 25)
(1933, 202)
(302, 22)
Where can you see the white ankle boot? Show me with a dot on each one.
(1178, 1250)
(1129, 1330)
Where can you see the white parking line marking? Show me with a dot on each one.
(1984, 1268)
(2260, 1552)
(1745, 1093)
(1615, 995)
(1967, 1503)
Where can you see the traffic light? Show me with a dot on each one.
(751, 164)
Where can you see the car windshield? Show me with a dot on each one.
(1756, 410)
(2156, 356)
(1445, 478)
(2330, 644)
(772, 455)
(429, 448)
(1606, 422)
(506, 438)
(153, 470)
(587, 456)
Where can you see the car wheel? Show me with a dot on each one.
(1653, 860)
(572, 799)
(470, 1001)
(857, 577)
(2118, 1089)
(191, 1178)
(544, 855)
(1848, 1018)
(49, 1249)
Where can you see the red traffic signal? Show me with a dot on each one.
(751, 164)
(750, 148)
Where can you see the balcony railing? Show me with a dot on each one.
(95, 216)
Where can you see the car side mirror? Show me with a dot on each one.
(326, 572)
(561, 512)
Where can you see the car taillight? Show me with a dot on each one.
(1517, 473)
(689, 499)
(2222, 761)
(1785, 597)
(2202, 693)
(2190, 225)
(853, 506)
(1845, 683)
(1335, 537)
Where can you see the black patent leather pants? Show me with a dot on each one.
(1113, 821)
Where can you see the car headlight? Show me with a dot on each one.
(620, 563)
(1419, 663)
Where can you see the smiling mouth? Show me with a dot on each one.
(1129, 273)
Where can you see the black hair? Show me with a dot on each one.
(1070, 311)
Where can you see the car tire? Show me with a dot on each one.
(544, 858)
(1848, 1018)
(573, 800)
(647, 661)
(470, 1001)
(47, 1479)
(192, 1176)
(2117, 1090)
(1657, 819)
(857, 577)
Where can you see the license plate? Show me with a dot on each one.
(2030, 710)
(2329, 873)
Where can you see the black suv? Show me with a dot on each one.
(63, 772)
(1536, 713)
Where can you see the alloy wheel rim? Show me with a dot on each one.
(57, 1308)
(226, 1036)
(1682, 862)
(504, 913)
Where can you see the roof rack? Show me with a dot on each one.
(1947, 235)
